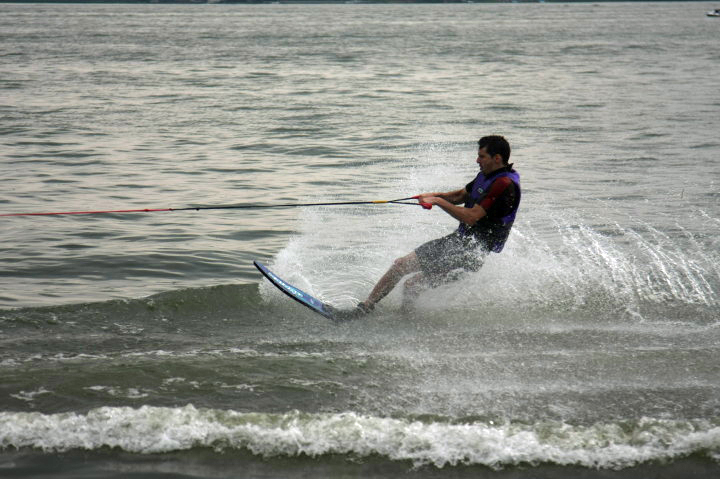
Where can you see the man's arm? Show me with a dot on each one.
(469, 216)
(453, 197)
(500, 187)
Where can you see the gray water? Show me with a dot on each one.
(591, 341)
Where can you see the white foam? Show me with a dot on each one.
(157, 430)
(30, 396)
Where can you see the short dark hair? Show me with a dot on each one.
(496, 145)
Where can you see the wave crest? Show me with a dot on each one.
(159, 430)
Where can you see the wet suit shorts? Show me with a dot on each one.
(445, 259)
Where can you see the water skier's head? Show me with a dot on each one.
(495, 145)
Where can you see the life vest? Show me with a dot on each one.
(493, 232)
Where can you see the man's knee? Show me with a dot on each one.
(406, 265)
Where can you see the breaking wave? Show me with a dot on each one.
(151, 430)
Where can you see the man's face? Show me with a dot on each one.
(486, 162)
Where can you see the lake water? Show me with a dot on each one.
(147, 344)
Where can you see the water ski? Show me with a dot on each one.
(297, 294)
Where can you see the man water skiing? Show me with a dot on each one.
(490, 203)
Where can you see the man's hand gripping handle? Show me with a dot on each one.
(426, 206)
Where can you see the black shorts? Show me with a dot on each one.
(444, 259)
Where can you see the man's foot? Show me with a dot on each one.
(342, 315)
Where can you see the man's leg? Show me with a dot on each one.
(401, 267)
(413, 286)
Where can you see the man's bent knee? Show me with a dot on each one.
(407, 264)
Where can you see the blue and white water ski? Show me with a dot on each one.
(297, 294)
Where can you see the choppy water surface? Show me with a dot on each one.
(148, 343)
